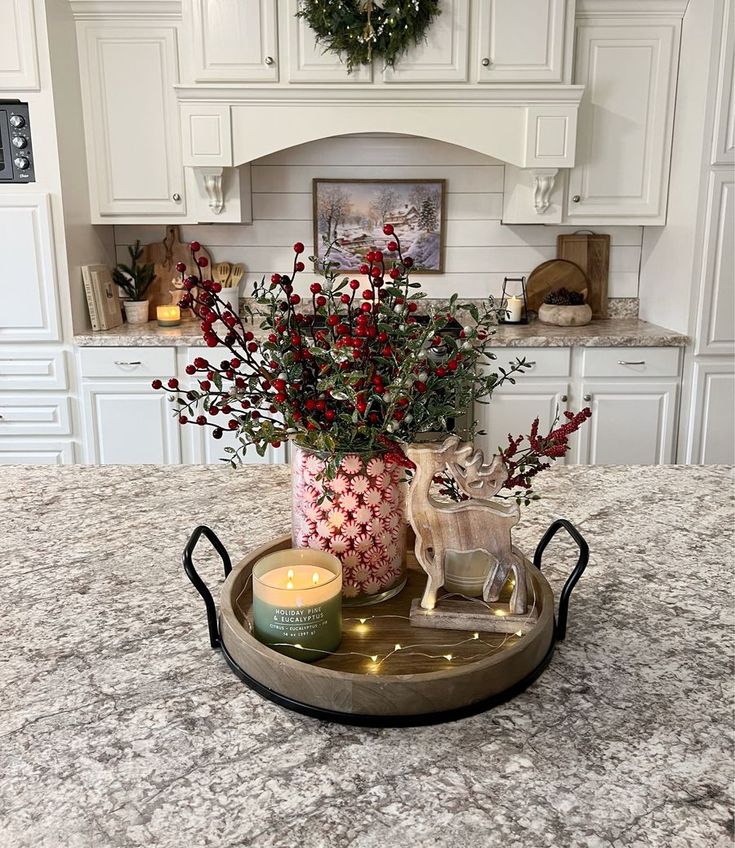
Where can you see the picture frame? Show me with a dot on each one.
(349, 214)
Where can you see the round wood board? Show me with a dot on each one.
(404, 684)
(552, 275)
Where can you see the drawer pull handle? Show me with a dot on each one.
(631, 362)
(131, 364)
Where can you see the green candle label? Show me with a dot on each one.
(317, 628)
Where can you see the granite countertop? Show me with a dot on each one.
(121, 727)
(612, 332)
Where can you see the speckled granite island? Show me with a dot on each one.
(120, 727)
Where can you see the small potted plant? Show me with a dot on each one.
(565, 309)
(134, 280)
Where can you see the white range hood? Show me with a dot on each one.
(532, 128)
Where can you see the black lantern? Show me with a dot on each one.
(513, 305)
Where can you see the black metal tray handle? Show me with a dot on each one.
(199, 585)
(584, 556)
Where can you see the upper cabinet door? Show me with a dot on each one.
(28, 282)
(308, 61)
(234, 40)
(443, 57)
(18, 60)
(625, 121)
(131, 128)
(522, 40)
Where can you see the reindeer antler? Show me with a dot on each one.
(473, 477)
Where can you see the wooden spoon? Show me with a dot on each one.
(237, 273)
(222, 273)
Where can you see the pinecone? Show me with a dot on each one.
(560, 297)
(576, 298)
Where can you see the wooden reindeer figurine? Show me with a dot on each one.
(478, 524)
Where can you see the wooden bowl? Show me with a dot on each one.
(403, 689)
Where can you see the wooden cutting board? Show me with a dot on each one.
(591, 251)
(165, 255)
(552, 275)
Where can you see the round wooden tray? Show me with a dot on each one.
(349, 686)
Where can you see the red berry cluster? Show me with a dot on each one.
(524, 464)
(347, 366)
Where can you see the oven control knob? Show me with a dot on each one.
(22, 162)
(17, 121)
(20, 141)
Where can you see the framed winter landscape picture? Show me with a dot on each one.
(350, 215)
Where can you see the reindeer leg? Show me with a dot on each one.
(519, 596)
(435, 580)
(494, 582)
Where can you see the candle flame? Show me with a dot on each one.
(315, 578)
(290, 574)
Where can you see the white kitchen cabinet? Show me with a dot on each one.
(308, 61)
(629, 70)
(633, 422)
(444, 55)
(18, 57)
(127, 422)
(125, 419)
(34, 414)
(234, 40)
(131, 126)
(522, 41)
(716, 314)
(711, 435)
(723, 146)
(28, 283)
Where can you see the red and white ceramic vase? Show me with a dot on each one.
(359, 515)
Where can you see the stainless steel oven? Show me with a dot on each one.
(16, 147)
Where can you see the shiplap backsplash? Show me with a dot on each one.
(478, 250)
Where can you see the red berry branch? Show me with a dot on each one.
(348, 367)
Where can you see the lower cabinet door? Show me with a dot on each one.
(513, 410)
(127, 422)
(632, 423)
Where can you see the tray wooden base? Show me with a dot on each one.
(417, 680)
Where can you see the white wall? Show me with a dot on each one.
(479, 251)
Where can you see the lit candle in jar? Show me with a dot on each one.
(297, 601)
(514, 310)
(168, 316)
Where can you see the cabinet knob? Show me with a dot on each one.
(587, 398)
(576, 198)
(269, 60)
(176, 197)
(485, 62)
(563, 398)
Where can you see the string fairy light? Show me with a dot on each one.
(378, 660)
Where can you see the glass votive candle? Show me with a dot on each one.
(297, 602)
(168, 316)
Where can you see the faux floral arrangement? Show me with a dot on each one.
(353, 370)
(350, 377)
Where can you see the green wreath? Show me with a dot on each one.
(359, 29)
